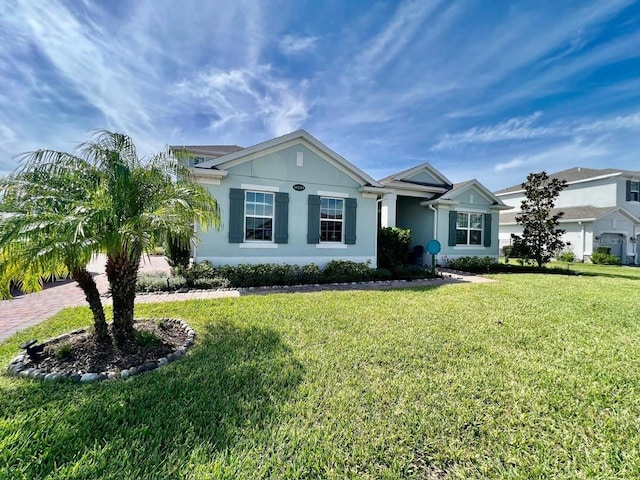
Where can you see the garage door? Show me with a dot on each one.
(613, 241)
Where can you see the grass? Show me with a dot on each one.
(535, 376)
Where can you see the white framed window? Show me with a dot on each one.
(635, 191)
(193, 161)
(331, 220)
(469, 228)
(258, 216)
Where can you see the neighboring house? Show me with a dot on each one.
(288, 200)
(463, 217)
(601, 208)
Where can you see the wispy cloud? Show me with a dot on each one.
(387, 86)
(401, 29)
(294, 44)
(249, 97)
(523, 128)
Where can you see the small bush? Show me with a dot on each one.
(411, 272)
(567, 256)
(63, 351)
(147, 339)
(472, 264)
(381, 274)
(310, 274)
(602, 258)
(215, 282)
(159, 282)
(393, 247)
(507, 251)
(338, 271)
(489, 265)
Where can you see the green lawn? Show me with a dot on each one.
(535, 376)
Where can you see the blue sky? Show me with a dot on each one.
(486, 90)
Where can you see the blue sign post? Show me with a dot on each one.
(433, 247)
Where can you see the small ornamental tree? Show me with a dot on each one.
(541, 237)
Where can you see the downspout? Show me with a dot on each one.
(435, 224)
(375, 240)
(435, 221)
(584, 243)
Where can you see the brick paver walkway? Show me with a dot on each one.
(27, 310)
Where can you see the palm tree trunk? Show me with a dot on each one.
(91, 293)
(122, 273)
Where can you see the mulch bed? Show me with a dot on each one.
(85, 355)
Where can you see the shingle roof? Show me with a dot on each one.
(570, 213)
(213, 151)
(575, 174)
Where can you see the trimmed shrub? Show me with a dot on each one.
(211, 283)
(380, 274)
(204, 275)
(410, 272)
(159, 282)
(310, 274)
(567, 256)
(393, 247)
(472, 264)
(338, 271)
(601, 258)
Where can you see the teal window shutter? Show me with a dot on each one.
(236, 215)
(313, 219)
(487, 229)
(628, 190)
(351, 204)
(282, 218)
(453, 219)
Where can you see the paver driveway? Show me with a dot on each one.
(24, 311)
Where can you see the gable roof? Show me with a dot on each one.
(405, 176)
(449, 197)
(462, 187)
(576, 175)
(242, 155)
(574, 214)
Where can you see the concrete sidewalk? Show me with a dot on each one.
(27, 310)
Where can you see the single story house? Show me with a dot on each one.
(294, 200)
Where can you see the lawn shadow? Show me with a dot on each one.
(230, 388)
(609, 275)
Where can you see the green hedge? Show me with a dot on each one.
(204, 275)
(490, 265)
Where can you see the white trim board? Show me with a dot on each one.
(263, 188)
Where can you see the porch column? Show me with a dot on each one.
(388, 210)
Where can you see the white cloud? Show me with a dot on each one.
(249, 95)
(522, 128)
(294, 44)
(389, 43)
(516, 162)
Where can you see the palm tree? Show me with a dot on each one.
(63, 208)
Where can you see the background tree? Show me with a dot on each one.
(63, 208)
(541, 237)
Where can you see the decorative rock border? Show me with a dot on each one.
(300, 286)
(18, 366)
